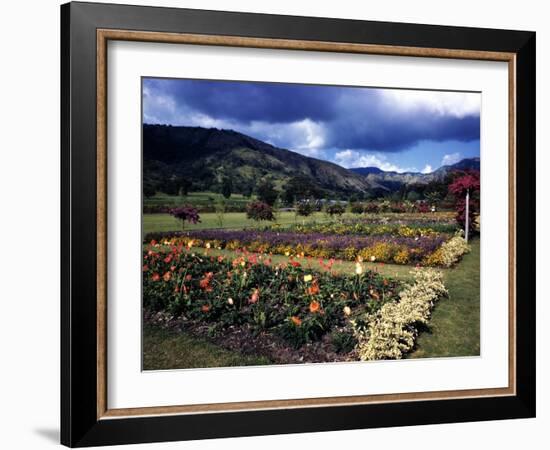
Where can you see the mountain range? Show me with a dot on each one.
(205, 156)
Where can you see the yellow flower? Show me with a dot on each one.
(307, 278)
(287, 253)
(373, 258)
(243, 263)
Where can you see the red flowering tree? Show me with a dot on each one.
(186, 214)
(467, 182)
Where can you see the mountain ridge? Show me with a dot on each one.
(205, 156)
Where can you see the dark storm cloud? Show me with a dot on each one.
(395, 132)
(350, 118)
(245, 101)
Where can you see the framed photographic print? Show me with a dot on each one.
(276, 224)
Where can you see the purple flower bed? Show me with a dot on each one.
(337, 245)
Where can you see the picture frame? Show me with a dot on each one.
(86, 29)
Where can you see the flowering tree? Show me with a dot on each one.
(467, 183)
(186, 214)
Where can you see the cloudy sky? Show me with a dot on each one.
(394, 129)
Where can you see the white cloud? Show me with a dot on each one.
(456, 104)
(427, 169)
(352, 158)
(451, 158)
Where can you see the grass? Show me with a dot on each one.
(454, 326)
(165, 222)
(165, 349)
(340, 267)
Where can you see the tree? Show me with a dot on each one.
(148, 190)
(413, 196)
(301, 187)
(266, 192)
(433, 198)
(305, 208)
(227, 187)
(259, 211)
(184, 185)
(467, 183)
(247, 190)
(186, 214)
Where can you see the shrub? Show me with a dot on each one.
(449, 252)
(423, 207)
(335, 209)
(357, 208)
(259, 211)
(397, 208)
(371, 208)
(391, 332)
(186, 214)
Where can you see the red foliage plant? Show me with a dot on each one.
(468, 181)
(186, 214)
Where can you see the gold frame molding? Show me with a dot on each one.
(105, 35)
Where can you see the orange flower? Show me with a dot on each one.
(296, 321)
(255, 296)
(314, 307)
(385, 282)
(205, 308)
(155, 277)
(313, 289)
(205, 282)
(167, 276)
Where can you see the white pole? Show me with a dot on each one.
(467, 214)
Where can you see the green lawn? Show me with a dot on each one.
(165, 222)
(454, 326)
(165, 349)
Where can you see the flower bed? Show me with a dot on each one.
(381, 248)
(287, 300)
(391, 331)
(365, 228)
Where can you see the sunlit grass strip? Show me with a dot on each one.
(391, 332)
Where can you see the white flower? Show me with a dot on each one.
(230, 301)
(307, 278)
(358, 269)
(347, 310)
(208, 245)
(373, 258)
